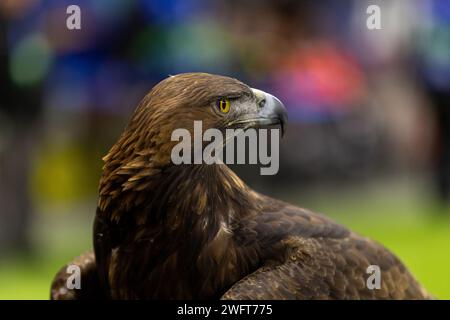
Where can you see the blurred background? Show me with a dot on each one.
(368, 141)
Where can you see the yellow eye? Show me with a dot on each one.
(224, 105)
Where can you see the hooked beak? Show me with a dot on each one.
(270, 111)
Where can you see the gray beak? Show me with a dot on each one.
(271, 110)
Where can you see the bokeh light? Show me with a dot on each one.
(31, 60)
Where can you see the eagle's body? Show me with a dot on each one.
(165, 231)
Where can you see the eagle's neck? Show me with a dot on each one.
(180, 223)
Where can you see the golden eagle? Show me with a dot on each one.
(165, 231)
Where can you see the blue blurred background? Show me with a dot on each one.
(368, 141)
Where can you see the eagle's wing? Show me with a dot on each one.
(90, 285)
(323, 260)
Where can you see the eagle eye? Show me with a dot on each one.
(223, 104)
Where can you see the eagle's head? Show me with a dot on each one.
(176, 102)
(220, 102)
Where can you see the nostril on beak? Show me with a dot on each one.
(262, 103)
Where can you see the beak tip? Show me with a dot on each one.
(283, 123)
(273, 110)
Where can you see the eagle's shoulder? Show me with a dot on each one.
(283, 220)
